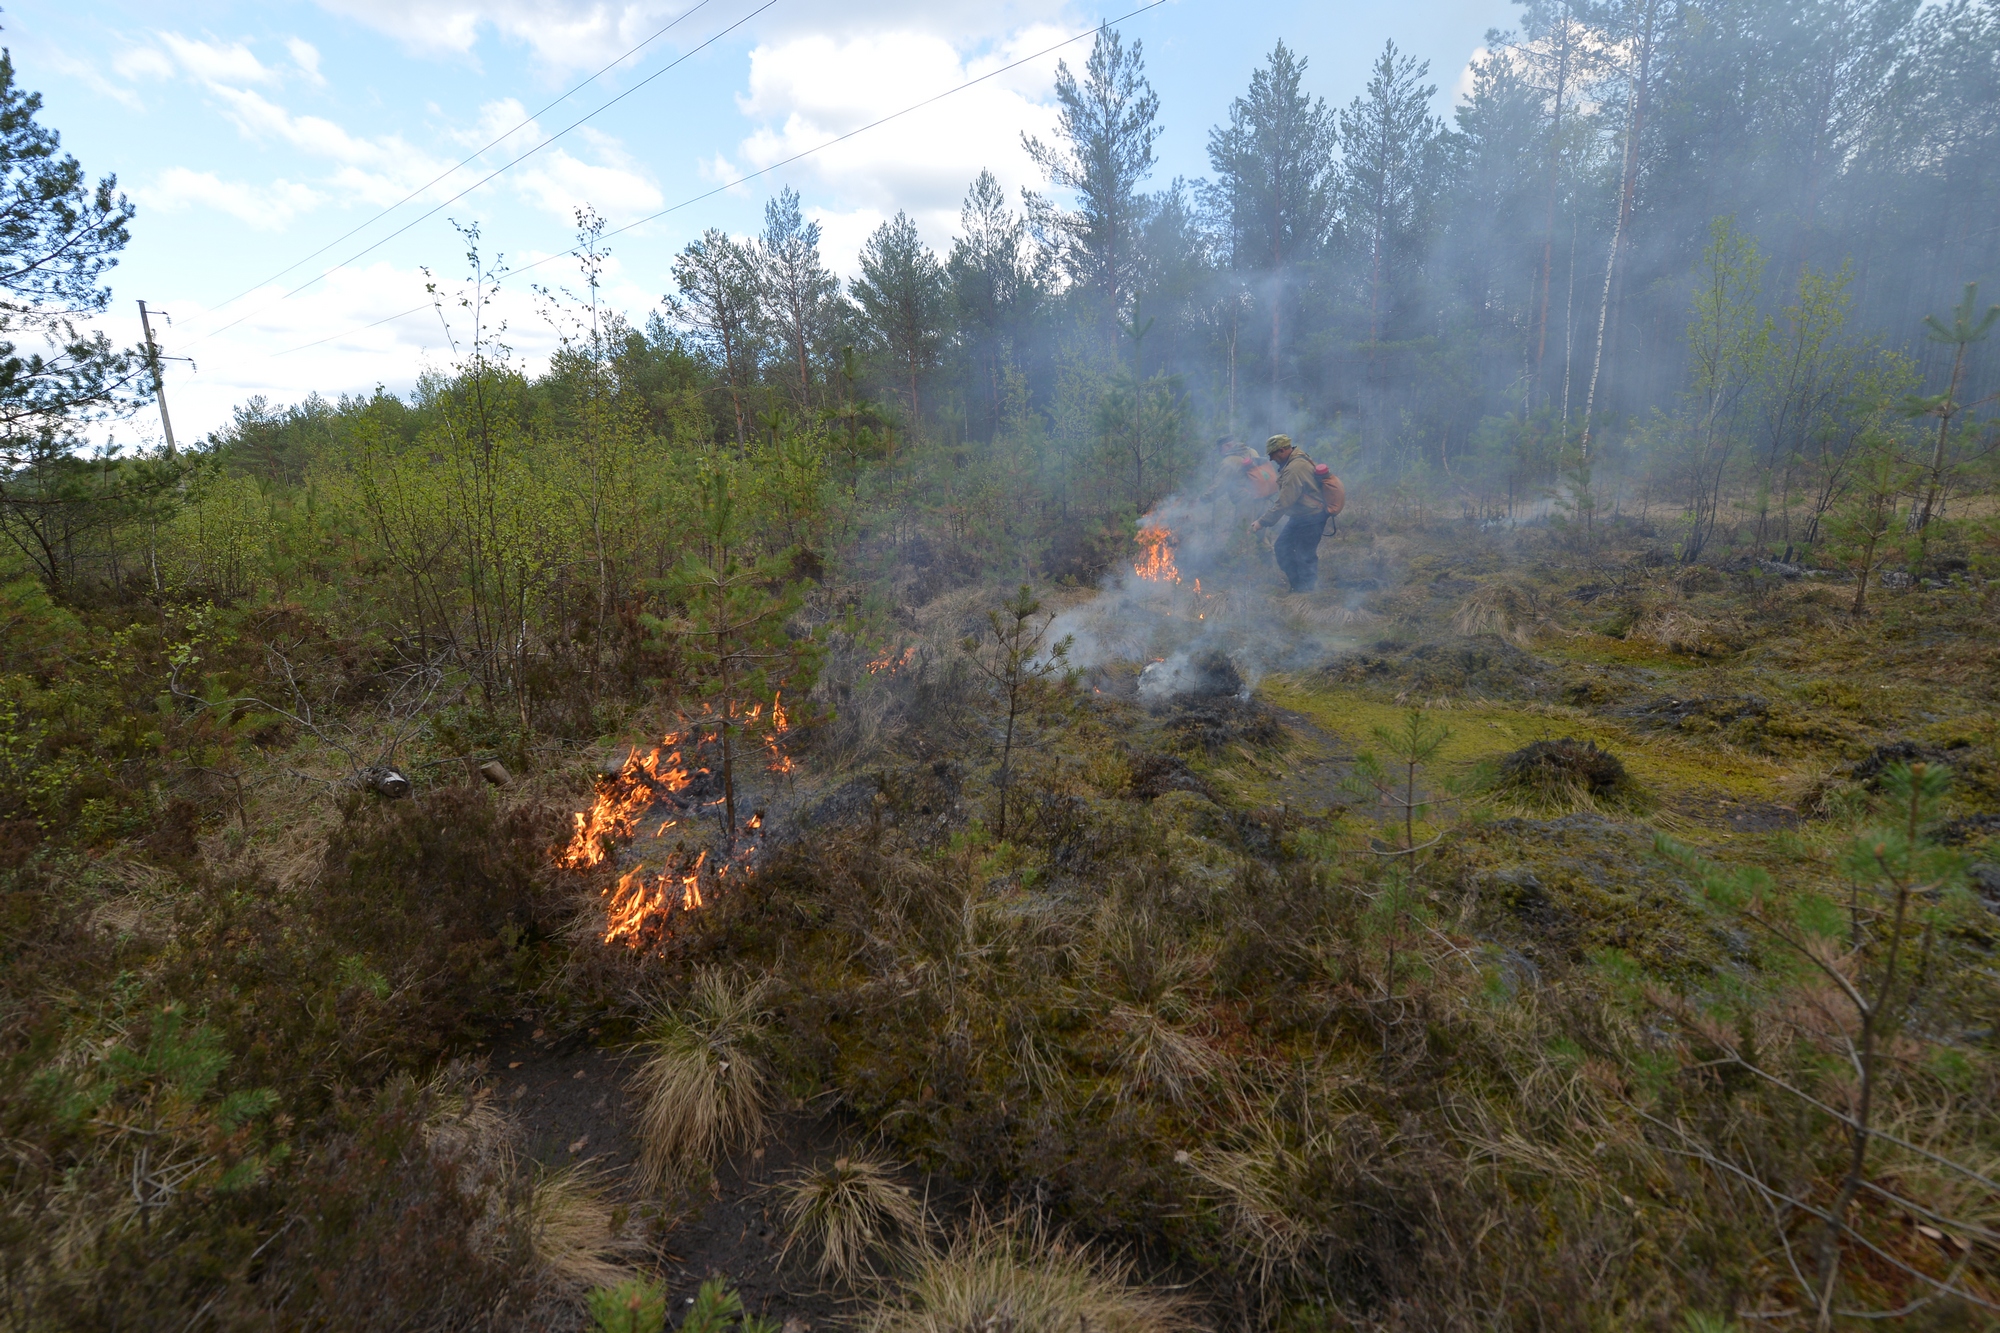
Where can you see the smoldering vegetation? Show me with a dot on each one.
(875, 840)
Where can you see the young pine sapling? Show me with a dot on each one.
(1390, 778)
(734, 623)
(1020, 662)
(1861, 968)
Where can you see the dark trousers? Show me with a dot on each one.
(1297, 550)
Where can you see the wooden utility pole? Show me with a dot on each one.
(159, 383)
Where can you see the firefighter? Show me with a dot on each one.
(1239, 472)
(1301, 505)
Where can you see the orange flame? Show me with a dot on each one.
(891, 663)
(1158, 542)
(620, 802)
(641, 903)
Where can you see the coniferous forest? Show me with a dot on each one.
(816, 807)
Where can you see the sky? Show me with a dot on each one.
(254, 138)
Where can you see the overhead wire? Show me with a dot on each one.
(765, 170)
(470, 158)
(506, 166)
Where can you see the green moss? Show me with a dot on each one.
(1483, 731)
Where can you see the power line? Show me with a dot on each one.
(750, 176)
(433, 212)
(894, 115)
(469, 159)
(386, 319)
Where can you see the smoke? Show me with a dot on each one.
(1201, 604)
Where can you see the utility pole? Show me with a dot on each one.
(153, 362)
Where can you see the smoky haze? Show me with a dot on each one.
(1665, 263)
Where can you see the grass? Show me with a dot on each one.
(1484, 731)
(1013, 1277)
(580, 1238)
(703, 1086)
(846, 1214)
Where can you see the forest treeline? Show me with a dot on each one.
(1691, 247)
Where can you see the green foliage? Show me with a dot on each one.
(1021, 663)
(718, 1308)
(636, 1305)
(733, 623)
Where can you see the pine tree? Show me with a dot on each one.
(798, 291)
(732, 618)
(1276, 184)
(1108, 128)
(901, 292)
(995, 288)
(719, 293)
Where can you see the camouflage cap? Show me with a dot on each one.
(1276, 443)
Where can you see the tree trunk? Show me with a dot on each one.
(1555, 172)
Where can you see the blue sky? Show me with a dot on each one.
(251, 135)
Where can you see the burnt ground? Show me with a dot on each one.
(570, 1102)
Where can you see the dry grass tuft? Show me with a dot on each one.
(1008, 1277)
(1499, 608)
(1556, 777)
(846, 1213)
(1155, 1055)
(1252, 1187)
(705, 1089)
(578, 1236)
(574, 1234)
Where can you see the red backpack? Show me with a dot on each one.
(1330, 489)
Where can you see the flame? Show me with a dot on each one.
(891, 663)
(621, 801)
(640, 904)
(1158, 541)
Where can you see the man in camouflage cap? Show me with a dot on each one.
(1301, 506)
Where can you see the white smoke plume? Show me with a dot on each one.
(1202, 607)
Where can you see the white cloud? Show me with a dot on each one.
(264, 207)
(379, 171)
(555, 179)
(841, 236)
(282, 350)
(306, 56)
(212, 62)
(143, 62)
(575, 34)
(568, 34)
(812, 89)
(559, 183)
(86, 73)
